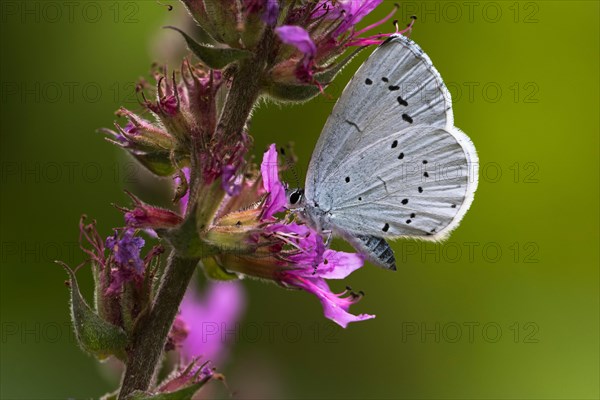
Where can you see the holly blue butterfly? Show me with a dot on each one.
(389, 162)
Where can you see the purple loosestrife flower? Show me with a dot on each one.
(271, 11)
(320, 32)
(126, 249)
(285, 251)
(185, 112)
(123, 277)
(209, 319)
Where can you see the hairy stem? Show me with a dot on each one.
(151, 332)
(245, 88)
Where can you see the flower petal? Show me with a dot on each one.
(335, 307)
(210, 319)
(298, 37)
(271, 12)
(269, 169)
(127, 249)
(337, 265)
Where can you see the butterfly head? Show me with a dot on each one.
(295, 197)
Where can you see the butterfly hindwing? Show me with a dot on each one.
(417, 182)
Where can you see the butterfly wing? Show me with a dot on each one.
(389, 161)
(419, 181)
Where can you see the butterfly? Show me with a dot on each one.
(389, 162)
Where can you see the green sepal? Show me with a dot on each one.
(223, 20)
(94, 335)
(216, 272)
(186, 241)
(303, 92)
(158, 163)
(215, 57)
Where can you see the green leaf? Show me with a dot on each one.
(95, 336)
(157, 163)
(214, 271)
(303, 92)
(214, 57)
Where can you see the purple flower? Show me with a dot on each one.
(271, 12)
(311, 264)
(320, 32)
(210, 319)
(229, 180)
(293, 254)
(335, 305)
(269, 168)
(299, 38)
(350, 11)
(126, 250)
(129, 266)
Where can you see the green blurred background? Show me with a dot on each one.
(507, 308)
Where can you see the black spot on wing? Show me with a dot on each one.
(394, 144)
(368, 81)
(393, 88)
(407, 118)
(386, 227)
(402, 102)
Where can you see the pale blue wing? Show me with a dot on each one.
(416, 182)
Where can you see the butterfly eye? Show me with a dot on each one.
(295, 197)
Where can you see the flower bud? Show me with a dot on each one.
(235, 23)
(147, 216)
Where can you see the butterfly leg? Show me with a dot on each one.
(328, 237)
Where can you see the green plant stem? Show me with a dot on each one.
(150, 334)
(245, 89)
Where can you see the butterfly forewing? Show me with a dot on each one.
(397, 87)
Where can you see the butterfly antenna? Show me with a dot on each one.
(290, 165)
